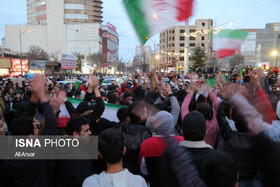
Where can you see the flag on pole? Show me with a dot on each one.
(227, 41)
(109, 113)
(78, 84)
(150, 17)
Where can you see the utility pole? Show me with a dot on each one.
(20, 52)
(186, 48)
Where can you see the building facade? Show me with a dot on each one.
(110, 43)
(56, 33)
(172, 43)
(81, 11)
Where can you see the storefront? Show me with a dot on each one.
(16, 67)
(5, 65)
(37, 66)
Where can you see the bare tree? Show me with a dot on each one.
(35, 52)
(99, 59)
(54, 56)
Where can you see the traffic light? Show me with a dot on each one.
(173, 61)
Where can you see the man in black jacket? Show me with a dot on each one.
(203, 156)
(86, 109)
(134, 134)
(32, 172)
(73, 172)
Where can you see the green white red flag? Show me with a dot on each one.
(150, 17)
(227, 41)
(109, 113)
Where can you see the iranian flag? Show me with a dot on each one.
(150, 17)
(109, 113)
(227, 41)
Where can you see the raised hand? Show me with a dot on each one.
(38, 87)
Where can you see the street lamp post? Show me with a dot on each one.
(21, 33)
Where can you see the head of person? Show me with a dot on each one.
(127, 87)
(67, 86)
(17, 95)
(128, 97)
(111, 146)
(11, 91)
(79, 128)
(194, 126)
(103, 96)
(273, 88)
(220, 171)
(6, 98)
(205, 109)
(73, 85)
(25, 125)
(2, 127)
(137, 112)
(161, 123)
(84, 108)
(122, 114)
(113, 98)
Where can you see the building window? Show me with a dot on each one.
(169, 38)
(192, 30)
(192, 38)
(192, 44)
(163, 46)
(181, 58)
(203, 24)
(170, 32)
(38, 13)
(211, 23)
(85, 3)
(202, 38)
(182, 45)
(173, 45)
(181, 51)
(173, 31)
(190, 58)
(182, 38)
(169, 58)
(173, 38)
(169, 45)
(182, 31)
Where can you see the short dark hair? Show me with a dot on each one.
(122, 114)
(205, 109)
(75, 124)
(112, 98)
(22, 126)
(132, 108)
(220, 170)
(111, 145)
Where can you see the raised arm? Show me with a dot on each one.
(175, 107)
(38, 87)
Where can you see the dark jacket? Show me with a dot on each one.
(134, 135)
(33, 172)
(93, 116)
(164, 172)
(237, 144)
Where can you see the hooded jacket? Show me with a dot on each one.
(134, 135)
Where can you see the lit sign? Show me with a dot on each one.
(17, 67)
(110, 26)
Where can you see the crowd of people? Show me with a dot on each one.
(170, 133)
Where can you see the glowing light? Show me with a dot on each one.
(155, 15)
(274, 53)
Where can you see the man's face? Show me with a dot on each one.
(274, 89)
(18, 96)
(85, 132)
(67, 86)
(2, 128)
